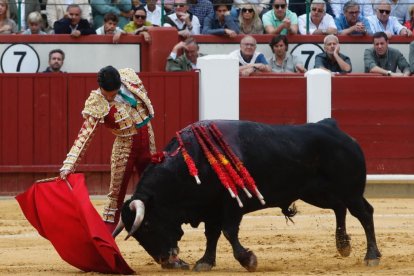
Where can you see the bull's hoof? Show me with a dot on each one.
(178, 264)
(249, 261)
(202, 267)
(372, 262)
(343, 245)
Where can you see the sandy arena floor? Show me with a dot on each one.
(304, 248)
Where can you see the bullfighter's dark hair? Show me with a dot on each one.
(379, 35)
(109, 78)
(219, 3)
(276, 39)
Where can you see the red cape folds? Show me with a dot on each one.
(69, 221)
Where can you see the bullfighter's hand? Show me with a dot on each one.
(64, 174)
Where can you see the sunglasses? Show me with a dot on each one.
(247, 10)
(179, 5)
(137, 16)
(384, 11)
(317, 10)
(279, 6)
(353, 12)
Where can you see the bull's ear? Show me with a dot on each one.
(139, 208)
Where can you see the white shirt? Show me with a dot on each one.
(154, 16)
(327, 22)
(194, 22)
(393, 26)
(101, 30)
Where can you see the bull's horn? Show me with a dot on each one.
(118, 228)
(139, 208)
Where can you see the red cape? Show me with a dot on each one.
(69, 221)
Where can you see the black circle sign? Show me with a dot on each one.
(20, 58)
(306, 53)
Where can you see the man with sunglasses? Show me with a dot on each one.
(184, 21)
(351, 22)
(280, 20)
(139, 25)
(383, 22)
(385, 60)
(320, 22)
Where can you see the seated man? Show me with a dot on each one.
(74, 24)
(110, 27)
(383, 22)
(331, 60)
(221, 22)
(385, 60)
(364, 5)
(351, 22)
(320, 22)
(280, 20)
(56, 9)
(185, 22)
(250, 60)
(188, 60)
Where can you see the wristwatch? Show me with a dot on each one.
(389, 73)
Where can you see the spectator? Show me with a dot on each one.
(56, 58)
(221, 22)
(249, 20)
(153, 12)
(262, 6)
(139, 25)
(409, 24)
(35, 23)
(280, 20)
(28, 6)
(8, 26)
(250, 60)
(365, 7)
(411, 57)
(185, 22)
(281, 61)
(299, 7)
(73, 24)
(351, 22)
(383, 22)
(122, 8)
(188, 60)
(399, 9)
(110, 27)
(332, 60)
(56, 9)
(383, 59)
(201, 9)
(319, 22)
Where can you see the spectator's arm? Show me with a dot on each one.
(85, 28)
(207, 27)
(403, 65)
(232, 23)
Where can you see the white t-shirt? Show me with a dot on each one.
(327, 22)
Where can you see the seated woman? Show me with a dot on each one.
(249, 20)
(7, 25)
(281, 61)
(139, 25)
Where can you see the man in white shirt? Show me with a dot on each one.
(320, 22)
(153, 12)
(186, 23)
(383, 22)
(110, 27)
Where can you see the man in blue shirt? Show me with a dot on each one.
(221, 22)
(351, 22)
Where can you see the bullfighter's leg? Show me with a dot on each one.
(363, 211)
(245, 256)
(122, 164)
(212, 233)
(323, 200)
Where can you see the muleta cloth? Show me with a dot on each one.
(62, 213)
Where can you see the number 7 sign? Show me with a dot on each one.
(20, 58)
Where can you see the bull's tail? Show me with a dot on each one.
(289, 212)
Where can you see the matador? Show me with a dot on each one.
(120, 103)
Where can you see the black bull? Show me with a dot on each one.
(317, 163)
